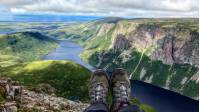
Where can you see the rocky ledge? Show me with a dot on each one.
(28, 101)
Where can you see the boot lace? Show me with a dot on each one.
(98, 93)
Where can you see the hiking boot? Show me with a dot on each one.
(98, 87)
(121, 88)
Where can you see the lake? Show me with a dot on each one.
(68, 51)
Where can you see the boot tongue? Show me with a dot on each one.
(121, 105)
(124, 104)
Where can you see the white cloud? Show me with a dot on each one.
(18, 10)
(125, 8)
(168, 5)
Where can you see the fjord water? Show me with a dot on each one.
(68, 51)
(160, 99)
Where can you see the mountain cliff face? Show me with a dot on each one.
(171, 45)
(121, 43)
(168, 44)
(163, 52)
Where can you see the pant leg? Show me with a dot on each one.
(131, 108)
(98, 107)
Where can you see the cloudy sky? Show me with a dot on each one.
(119, 8)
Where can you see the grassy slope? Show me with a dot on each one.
(69, 79)
(145, 107)
(27, 45)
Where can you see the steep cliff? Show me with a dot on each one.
(171, 45)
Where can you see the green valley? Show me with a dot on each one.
(19, 57)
